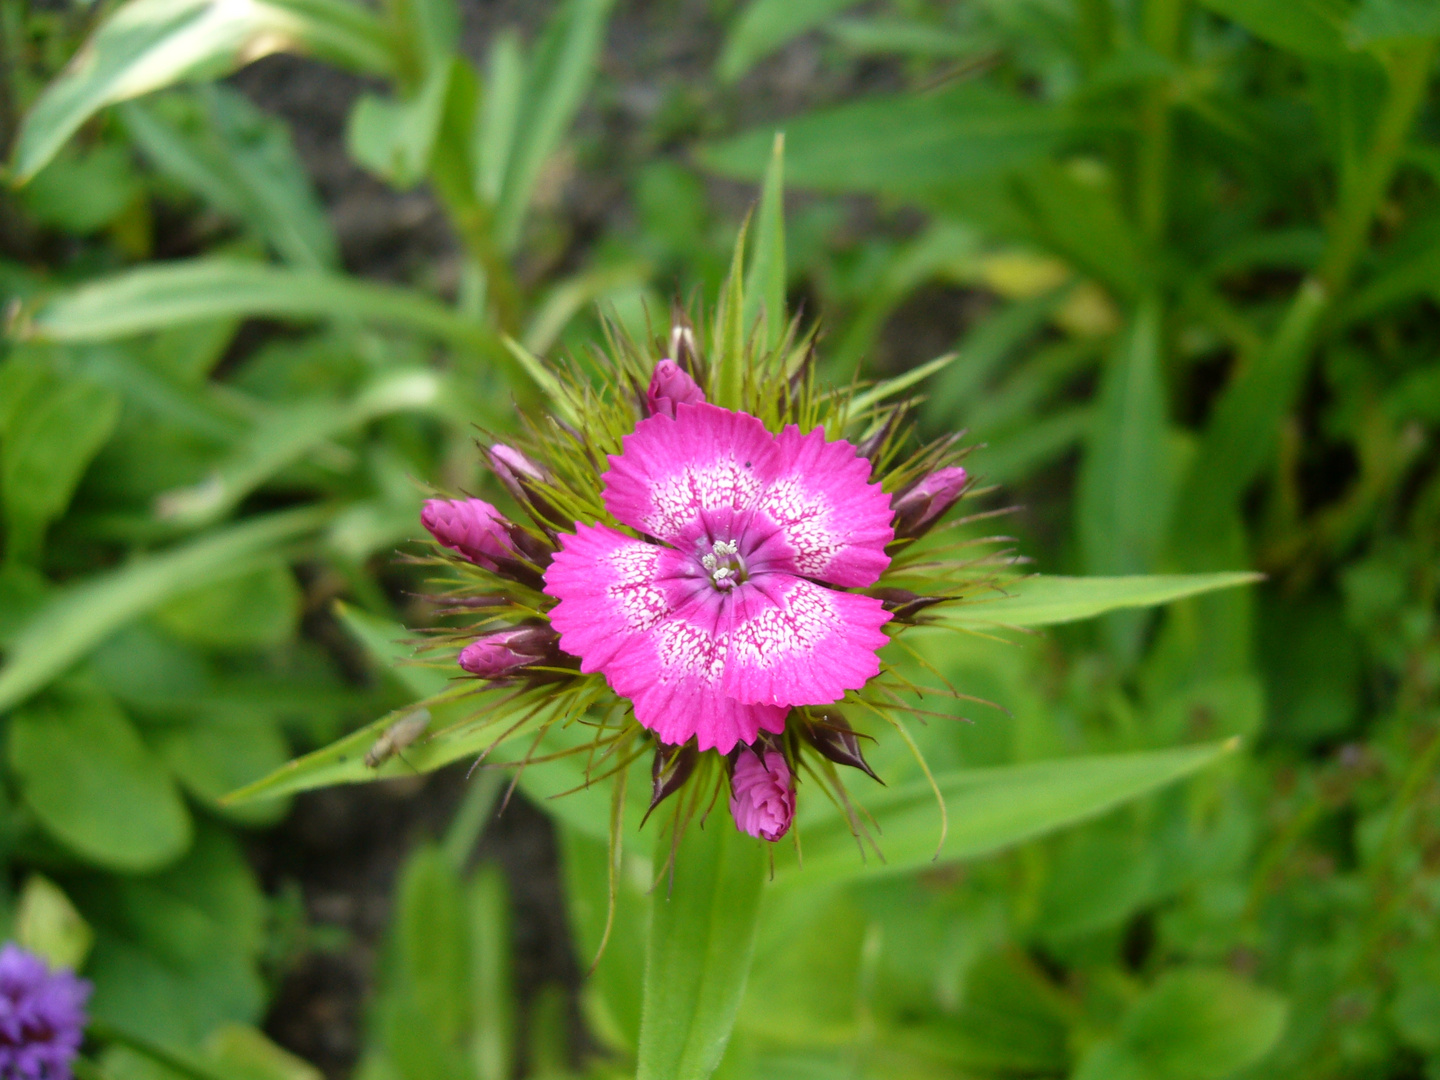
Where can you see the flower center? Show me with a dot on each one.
(724, 565)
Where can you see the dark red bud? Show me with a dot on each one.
(471, 527)
(872, 445)
(683, 349)
(903, 603)
(919, 507)
(669, 770)
(505, 652)
(520, 475)
(831, 734)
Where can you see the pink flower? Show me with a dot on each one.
(472, 527)
(506, 651)
(670, 386)
(920, 507)
(736, 613)
(762, 794)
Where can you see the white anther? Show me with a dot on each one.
(709, 562)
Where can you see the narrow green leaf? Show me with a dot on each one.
(561, 70)
(728, 333)
(1312, 28)
(702, 934)
(1244, 425)
(286, 434)
(766, 25)
(545, 379)
(146, 45)
(908, 145)
(1394, 21)
(572, 295)
(499, 115)
(384, 641)
(157, 297)
(83, 614)
(890, 387)
(1044, 600)
(765, 280)
(1123, 502)
(492, 1035)
(988, 809)
(239, 160)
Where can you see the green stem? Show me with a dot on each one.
(1409, 71)
(476, 228)
(1162, 21)
(1096, 21)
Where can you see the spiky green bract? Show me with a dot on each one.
(596, 401)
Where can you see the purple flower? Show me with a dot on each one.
(762, 794)
(42, 1017)
(505, 652)
(923, 504)
(670, 386)
(472, 527)
(737, 613)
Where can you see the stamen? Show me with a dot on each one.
(723, 564)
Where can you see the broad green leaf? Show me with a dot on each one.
(240, 1052)
(767, 25)
(1044, 600)
(146, 45)
(176, 953)
(80, 616)
(907, 145)
(241, 162)
(1313, 28)
(394, 139)
(1202, 1024)
(93, 785)
(988, 809)
(702, 933)
(560, 72)
(83, 192)
(47, 445)
(286, 434)
(157, 297)
(1394, 21)
(492, 1024)
(254, 610)
(1123, 502)
(47, 924)
(765, 280)
(222, 749)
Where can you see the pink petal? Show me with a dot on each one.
(648, 619)
(833, 522)
(793, 642)
(673, 475)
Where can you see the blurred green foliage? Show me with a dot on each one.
(1197, 246)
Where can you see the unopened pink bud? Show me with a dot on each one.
(762, 794)
(508, 459)
(471, 527)
(670, 386)
(506, 651)
(917, 509)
